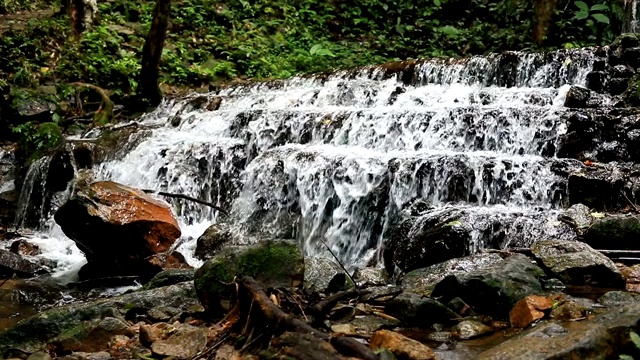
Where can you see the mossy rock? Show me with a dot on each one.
(632, 95)
(169, 277)
(271, 263)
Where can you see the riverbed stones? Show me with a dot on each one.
(495, 289)
(401, 346)
(117, 227)
(39, 330)
(185, 343)
(577, 263)
(271, 263)
(618, 298)
(579, 217)
(601, 337)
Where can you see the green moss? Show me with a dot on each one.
(272, 263)
(632, 95)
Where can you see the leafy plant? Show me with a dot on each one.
(635, 338)
(585, 12)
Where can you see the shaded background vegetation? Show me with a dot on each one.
(213, 41)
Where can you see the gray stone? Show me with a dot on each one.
(11, 263)
(92, 336)
(186, 343)
(614, 231)
(416, 310)
(170, 277)
(576, 263)
(469, 329)
(422, 281)
(579, 217)
(495, 289)
(213, 240)
(370, 276)
(618, 298)
(318, 272)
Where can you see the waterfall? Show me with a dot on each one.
(333, 158)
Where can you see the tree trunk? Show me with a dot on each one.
(543, 11)
(151, 53)
(81, 13)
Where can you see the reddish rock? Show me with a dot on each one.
(402, 346)
(118, 227)
(528, 310)
(152, 333)
(569, 310)
(185, 343)
(23, 247)
(171, 260)
(632, 276)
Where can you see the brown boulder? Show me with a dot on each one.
(402, 346)
(118, 227)
(528, 310)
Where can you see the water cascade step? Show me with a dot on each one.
(344, 157)
(400, 165)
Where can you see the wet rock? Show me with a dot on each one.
(401, 346)
(579, 217)
(495, 289)
(212, 240)
(271, 263)
(368, 324)
(422, 281)
(529, 309)
(168, 260)
(45, 188)
(614, 231)
(319, 271)
(415, 310)
(23, 247)
(8, 191)
(427, 240)
(371, 277)
(37, 331)
(577, 97)
(627, 40)
(569, 310)
(117, 227)
(618, 298)
(469, 329)
(460, 307)
(11, 264)
(185, 343)
(91, 336)
(604, 186)
(170, 277)
(576, 263)
(602, 337)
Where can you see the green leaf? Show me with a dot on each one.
(601, 18)
(437, 3)
(582, 6)
(599, 7)
(626, 357)
(314, 49)
(635, 338)
(449, 30)
(325, 52)
(581, 15)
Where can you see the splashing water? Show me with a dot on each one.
(332, 158)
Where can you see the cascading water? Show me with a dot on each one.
(334, 158)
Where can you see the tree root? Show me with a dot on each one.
(259, 315)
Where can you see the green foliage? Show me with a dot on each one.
(211, 41)
(37, 139)
(635, 339)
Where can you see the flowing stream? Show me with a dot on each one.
(334, 158)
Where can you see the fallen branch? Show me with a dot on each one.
(323, 307)
(185, 197)
(257, 311)
(104, 114)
